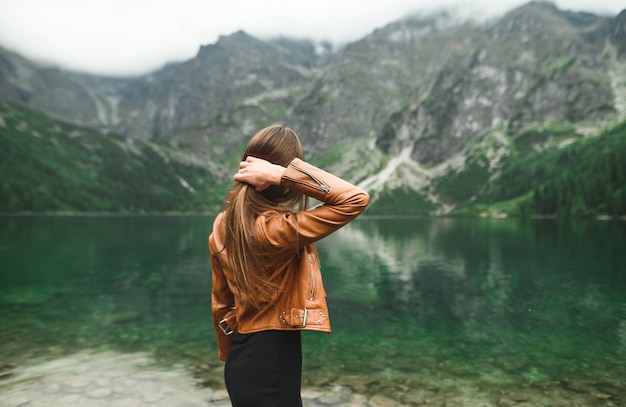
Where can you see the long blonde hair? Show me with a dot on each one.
(248, 257)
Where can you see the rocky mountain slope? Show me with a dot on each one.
(425, 112)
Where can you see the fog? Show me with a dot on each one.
(126, 37)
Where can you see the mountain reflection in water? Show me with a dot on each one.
(421, 308)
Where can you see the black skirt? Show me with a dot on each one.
(264, 369)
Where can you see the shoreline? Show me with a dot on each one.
(476, 215)
(113, 379)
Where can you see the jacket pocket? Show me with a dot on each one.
(313, 277)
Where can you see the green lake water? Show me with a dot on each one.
(490, 305)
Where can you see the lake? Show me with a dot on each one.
(426, 311)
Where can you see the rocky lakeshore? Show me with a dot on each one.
(88, 379)
(111, 379)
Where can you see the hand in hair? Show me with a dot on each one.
(259, 173)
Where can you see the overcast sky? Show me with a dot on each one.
(126, 37)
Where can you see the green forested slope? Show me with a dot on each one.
(51, 166)
(47, 165)
(585, 178)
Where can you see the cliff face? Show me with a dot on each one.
(222, 85)
(534, 66)
(423, 98)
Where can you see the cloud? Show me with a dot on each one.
(122, 37)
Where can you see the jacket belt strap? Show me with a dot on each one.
(301, 317)
(225, 327)
(228, 325)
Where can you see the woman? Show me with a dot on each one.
(267, 284)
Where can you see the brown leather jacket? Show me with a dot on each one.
(301, 299)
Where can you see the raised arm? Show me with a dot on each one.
(342, 202)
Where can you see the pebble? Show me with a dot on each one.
(110, 379)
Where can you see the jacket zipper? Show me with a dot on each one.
(314, 178)
(313, 279)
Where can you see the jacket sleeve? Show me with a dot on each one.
(222, 300)
(342, 202)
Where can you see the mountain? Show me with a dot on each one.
(52, 166)
(428, 113)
